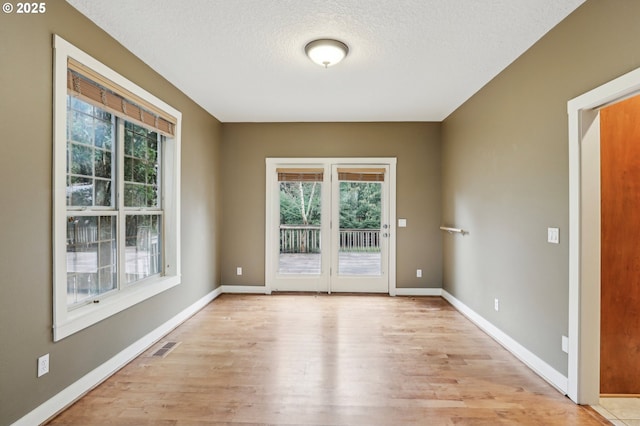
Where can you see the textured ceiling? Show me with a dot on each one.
(409, 60)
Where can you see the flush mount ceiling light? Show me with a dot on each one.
(326, 52)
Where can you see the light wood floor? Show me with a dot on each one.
(327, 360)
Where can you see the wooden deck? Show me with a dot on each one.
(327, 360)
(367, 264)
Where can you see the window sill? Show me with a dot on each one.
(92, 313)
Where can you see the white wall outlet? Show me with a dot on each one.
(418, 273)
(496, 304)
(402, 223)
(239, 270)
(553, 235)
(565, 344)
(43, 365)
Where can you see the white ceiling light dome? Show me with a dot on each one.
(326, 52)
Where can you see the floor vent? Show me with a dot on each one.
(165, 349)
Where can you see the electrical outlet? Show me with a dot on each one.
(496, 304)
(43, 365)
(418, 273)
(239, 270)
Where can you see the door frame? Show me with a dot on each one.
(583, 381)
(270, 234)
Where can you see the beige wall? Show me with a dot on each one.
(505, 175)
(25, 211)
(416, 146)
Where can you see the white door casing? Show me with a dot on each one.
(322, 282)
(583, 385)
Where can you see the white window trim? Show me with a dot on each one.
(66, 321)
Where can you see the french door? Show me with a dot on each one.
(329, 225)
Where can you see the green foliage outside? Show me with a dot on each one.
(359, 204)
(300, 203)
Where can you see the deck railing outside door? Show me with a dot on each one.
(306, 239)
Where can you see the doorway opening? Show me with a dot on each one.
(585, 243)
(329, 225)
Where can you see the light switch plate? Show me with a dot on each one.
(553, 235)
(402, 223)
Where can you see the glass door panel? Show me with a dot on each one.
(300, 193)
(359, 242)
(298, 228)
(360, 228)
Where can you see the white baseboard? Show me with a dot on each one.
(260, 289)
(245, 289)
(418, 291)
(541, 368)
(76, 390)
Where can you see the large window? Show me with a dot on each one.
(116, 192)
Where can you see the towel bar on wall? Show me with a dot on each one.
(453, 230)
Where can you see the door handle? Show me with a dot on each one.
(385, 226)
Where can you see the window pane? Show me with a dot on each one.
(152, 176)
(103, 131)
(91, 257)
(81, 106)
(134, 195)
(80, 191)
(80, 125)
(103, 163)
(139, 171)
(103, 193)
(152, 149)
(141, 165)
(151, 196)
(128, 142)
(81, 160)
(143, 255)
(139, 145)
(128, 169)
(360, 223)
(90, 154)
(106, 230)
(103, 115)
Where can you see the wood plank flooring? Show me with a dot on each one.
(327, 360)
